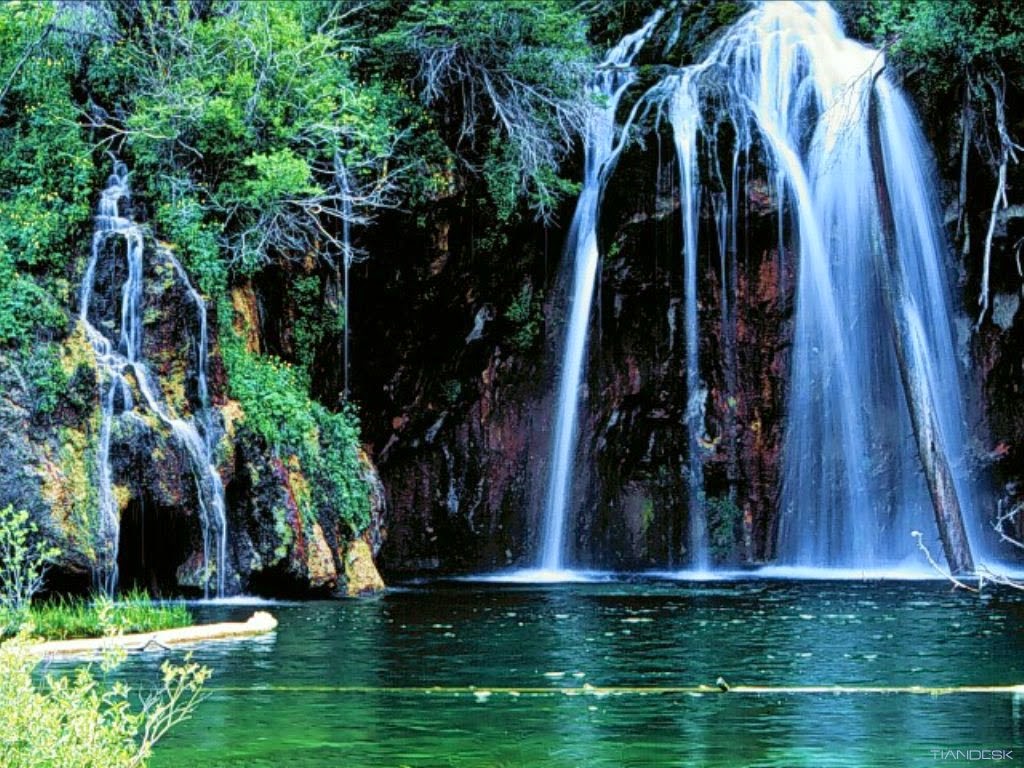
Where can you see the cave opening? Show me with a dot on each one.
(155, 541)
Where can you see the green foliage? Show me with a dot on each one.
(74, 721)
(46, 376)
(46, 174)
(278, 408)
(316, 321)
(501, 171)
(941, 42)
(509, 77)
(255, 114)
(276, 176)
(24, 558)
(526, 315)
(26, 307)
(68, 618)
(183, 220)
(723, 516)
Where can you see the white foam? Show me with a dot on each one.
(545, 576)
(242, 600)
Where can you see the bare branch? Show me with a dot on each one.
(938, 569)
(1007, 152)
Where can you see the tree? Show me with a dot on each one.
(252, 110)
(968, 51)
(508, 80)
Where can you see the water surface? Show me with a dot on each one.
(343, 683)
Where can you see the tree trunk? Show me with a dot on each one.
(948, 515)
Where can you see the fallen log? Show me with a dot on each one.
(259, 623)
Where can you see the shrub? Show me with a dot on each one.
(75, 722)
(277, 408)
(24, 558)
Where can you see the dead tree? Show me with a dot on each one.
(898, 303)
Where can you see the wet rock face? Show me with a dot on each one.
(47, 440)
(462, 498)
(450, 380)
(459, 417)
(280, 542)
(636, 484)
(1000, 371)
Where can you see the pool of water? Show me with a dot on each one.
(603, 674)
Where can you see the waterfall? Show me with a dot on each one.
(685, 119)
(797, 90)
(347, 255)
(120, 365)
(602, 143)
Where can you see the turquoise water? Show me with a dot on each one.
(339, 684)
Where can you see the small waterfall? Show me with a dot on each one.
(602, 143)
(347, 255)
(684, 116)
(796, 90)
(120, 364)
(209, 485)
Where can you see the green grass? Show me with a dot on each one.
(74, 617)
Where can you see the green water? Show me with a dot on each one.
(338, 684)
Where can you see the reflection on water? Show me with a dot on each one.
(340, 683)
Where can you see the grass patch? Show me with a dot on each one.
(68, 618)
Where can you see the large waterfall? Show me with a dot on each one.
(875, 435)
(796, 91)
(603, 140)
(128, 386)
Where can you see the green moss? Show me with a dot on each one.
(77, 352)
(172, 384)
(69, 488)
(284, 533)
(277, 407)
(301, 491)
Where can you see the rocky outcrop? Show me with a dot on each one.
(361, 574)
(48, 423)
(279, 539)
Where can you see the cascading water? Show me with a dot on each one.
(120, 364)
(209, 485)
(602, 143)
(793, 86)
(347, 255)
(685, 118)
